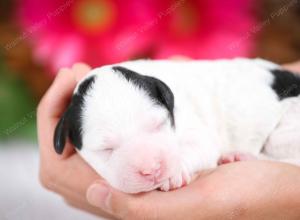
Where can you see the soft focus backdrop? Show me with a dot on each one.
(39, 37)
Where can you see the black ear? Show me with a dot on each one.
(156, 89)
(70, 124)
(61, 134)
(163, 95)
(286, 84)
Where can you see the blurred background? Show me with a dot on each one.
(39, 37)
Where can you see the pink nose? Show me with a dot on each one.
(152, 172)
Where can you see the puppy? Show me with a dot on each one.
(145, 124)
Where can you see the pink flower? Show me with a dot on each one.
(209, 29)
(106, 31)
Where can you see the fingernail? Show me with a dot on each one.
(97, 195)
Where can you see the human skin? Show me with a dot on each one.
(242, 190)
(66, 174)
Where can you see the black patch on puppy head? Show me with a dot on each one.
(156, 89)
(286, 84)
(70, 124)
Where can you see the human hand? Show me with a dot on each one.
(242, 190)
(61, 173)
(66, 174)
(295, 66)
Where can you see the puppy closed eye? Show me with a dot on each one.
(156, 125)
(108, 150)
(110, 144)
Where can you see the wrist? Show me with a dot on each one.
(279, 198)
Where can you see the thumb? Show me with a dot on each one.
(100, 195)
(80, 70)
(151, 205)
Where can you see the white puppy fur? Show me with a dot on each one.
(220, 106)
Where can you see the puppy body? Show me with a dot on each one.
(153, 124)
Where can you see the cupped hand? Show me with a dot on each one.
(66, 174)
(295, 66)
(236, 191)
(242, 190)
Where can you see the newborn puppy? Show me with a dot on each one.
(144, 125)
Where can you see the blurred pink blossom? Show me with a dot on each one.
(99, 32)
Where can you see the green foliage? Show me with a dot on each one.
(17, 108)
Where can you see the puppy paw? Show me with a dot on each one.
(235, 157)
(176, 181)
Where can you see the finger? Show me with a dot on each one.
(152, 205)
(80, 70)
(55, 102)
(58, 96)
(51, 108)
(100, 195)
(295, 66)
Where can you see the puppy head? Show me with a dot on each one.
(122, 123)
